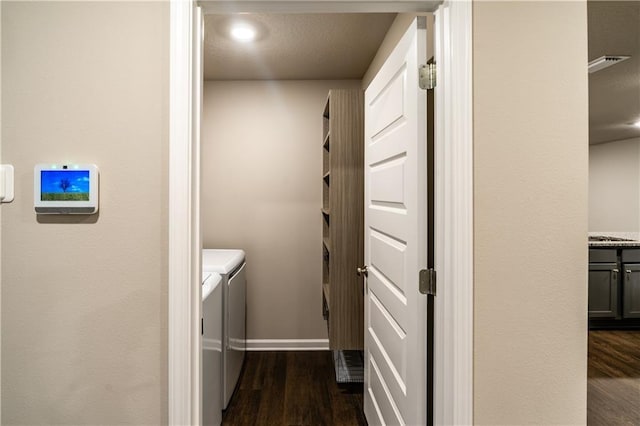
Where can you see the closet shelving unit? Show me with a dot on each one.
(343, 219)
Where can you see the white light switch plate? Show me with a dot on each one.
(6, 183)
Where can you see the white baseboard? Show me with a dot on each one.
(287, 344)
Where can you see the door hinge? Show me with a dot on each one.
(427, 76)
(428, 281)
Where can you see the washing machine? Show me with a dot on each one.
(231, 265)
(211, 349)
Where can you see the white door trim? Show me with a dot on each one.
(318, 6)
(184, 293)
(454, 215)
(454, 211)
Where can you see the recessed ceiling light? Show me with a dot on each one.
(637, 123)
(243, 32)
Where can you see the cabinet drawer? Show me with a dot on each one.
(604, 255)
(631, 256)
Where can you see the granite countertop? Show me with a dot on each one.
(632, 240)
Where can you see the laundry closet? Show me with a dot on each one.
(282, 162)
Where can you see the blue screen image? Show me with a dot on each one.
(64, 185)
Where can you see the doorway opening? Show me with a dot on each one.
(613, 384)
(263, 179)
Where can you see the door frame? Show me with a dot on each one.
(184, 270)
(453, 359)
(453, 346)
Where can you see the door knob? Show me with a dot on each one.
(363, 271)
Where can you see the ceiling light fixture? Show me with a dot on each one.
(637, 123)
(243, 32)
(605, 62)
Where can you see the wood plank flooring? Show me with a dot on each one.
(293, 388)
(613, 390)
(298, 388)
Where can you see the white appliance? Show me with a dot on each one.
(211, 349)
(230, 264)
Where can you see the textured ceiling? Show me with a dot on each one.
(294, 46)
(341, 46)
(614, 92)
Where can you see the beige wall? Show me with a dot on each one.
(614, 186)
(84, 299)
(530, 213)
(261, 191)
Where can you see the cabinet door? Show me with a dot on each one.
(631, 291)
(603, 290)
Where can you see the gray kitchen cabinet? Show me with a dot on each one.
(614, 287)
(631, 291)
(603, 290)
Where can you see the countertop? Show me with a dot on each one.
(634, 238)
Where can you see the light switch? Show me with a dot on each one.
(6, 183)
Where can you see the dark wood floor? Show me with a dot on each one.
(613, 395)
(293, 388)
(298, 388)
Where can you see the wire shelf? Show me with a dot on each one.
(349, 366)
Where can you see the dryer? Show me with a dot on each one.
(231, 265)
(211, 349)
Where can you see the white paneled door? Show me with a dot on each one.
(395, 237)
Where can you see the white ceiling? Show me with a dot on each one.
(294, 46)
(614, 92)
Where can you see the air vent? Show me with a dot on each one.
(605, 61)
